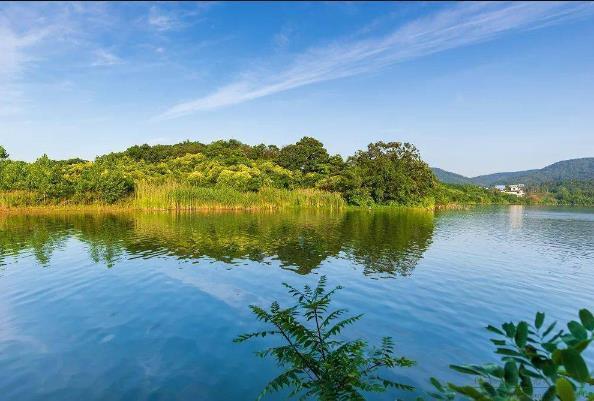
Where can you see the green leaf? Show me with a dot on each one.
(466, 370)
(511, 373)
(495, 330)
(587, 319)
(575, 365)
(488, 388)
(549, 395)
(526, 384)
(539, 320)
(510, 329)
(582, 345)
(521, 334)
(437, 384)
(578, 331)
(468, 391)
(564, 390)
(549, 329)
(551, 347)
(508, 352)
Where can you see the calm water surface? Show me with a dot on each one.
(145, 306)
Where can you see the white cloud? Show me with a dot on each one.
(461, 25)
(160, 21)
(283, 38)
(13, 61)
(104, 58)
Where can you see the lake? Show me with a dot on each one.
(144, 306)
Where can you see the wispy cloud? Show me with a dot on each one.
(104, 58)
(283, 38)
(172, 19)
(461, 25)
(14, 57)
(161, 21)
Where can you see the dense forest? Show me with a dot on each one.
(231, 174)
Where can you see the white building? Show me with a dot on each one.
(512, 189)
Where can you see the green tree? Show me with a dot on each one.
(307, 156)
(392, 172)
(318, 363)
(3, 154)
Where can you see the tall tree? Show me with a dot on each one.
(393, 172)
(308, 156)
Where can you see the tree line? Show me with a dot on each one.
(386, 173)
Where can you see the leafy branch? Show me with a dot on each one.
(317, 362)
(530, 355)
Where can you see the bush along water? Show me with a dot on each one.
(230, 174)
(538, 362)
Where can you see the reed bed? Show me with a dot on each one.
(12, 199)
(175, 196)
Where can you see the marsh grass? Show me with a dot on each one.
(18, 199)
(175, 196)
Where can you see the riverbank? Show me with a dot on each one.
(184, 197)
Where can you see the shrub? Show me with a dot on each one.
(318, 363)
(532, 355)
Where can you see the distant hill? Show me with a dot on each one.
(574, 169)
(450, 178)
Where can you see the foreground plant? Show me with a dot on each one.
(317, 363)
(537, 363)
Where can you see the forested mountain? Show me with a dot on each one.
(450, 178)
(574, 169)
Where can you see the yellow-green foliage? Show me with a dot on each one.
(172, 195)
(224, 174)
(18, 199)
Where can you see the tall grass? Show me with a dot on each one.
(11, 199)
(175, 196)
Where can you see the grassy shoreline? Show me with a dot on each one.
(130, 206)
(178, 197)
(175, 196)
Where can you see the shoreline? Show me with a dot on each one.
(98, 208)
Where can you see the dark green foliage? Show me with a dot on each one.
(317, 362)
(392, 172)
(157, 153)
(308, 155)
(3, 153)
(537, 363)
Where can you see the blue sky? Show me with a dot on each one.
(478, 87)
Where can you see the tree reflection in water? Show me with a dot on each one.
(382, 241)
